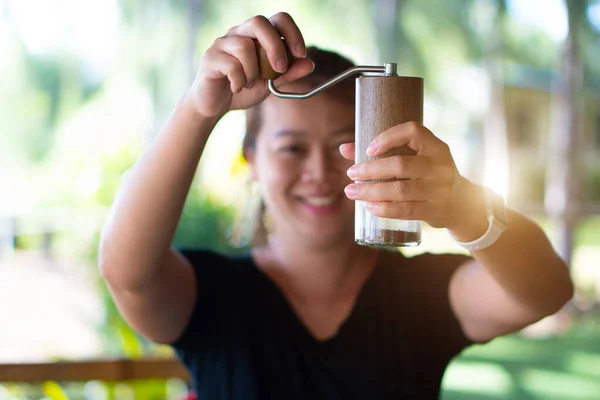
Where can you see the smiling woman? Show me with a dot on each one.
(308, 312)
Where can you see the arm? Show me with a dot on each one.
(135, 258)
(154, 286)
(512, 283)
(515, 282)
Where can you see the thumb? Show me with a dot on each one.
(298, 69)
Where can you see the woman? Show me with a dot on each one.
(309, 313)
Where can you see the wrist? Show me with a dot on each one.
(478, 230)
(189, 105)
(470, 220)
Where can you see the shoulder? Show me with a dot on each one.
(223, 283)
(213, 269)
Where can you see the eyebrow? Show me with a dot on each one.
(291, 132)
(346, 129)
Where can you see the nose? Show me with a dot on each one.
(319, 165)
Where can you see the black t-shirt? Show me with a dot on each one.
(244, 341)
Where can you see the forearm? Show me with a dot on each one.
(522, 261)
(145, 214)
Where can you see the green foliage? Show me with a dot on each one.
(588, 233)
(514, 367)
(204, 224)
(541, 52)
(593, 184)
(54, 391)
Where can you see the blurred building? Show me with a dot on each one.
(529, 117)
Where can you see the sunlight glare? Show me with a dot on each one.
(496, 177)
(85, 28)
(40, 24)
(475, 377)
(548, 15)
(593, 14)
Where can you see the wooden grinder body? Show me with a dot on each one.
(381, 103)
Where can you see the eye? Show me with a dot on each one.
(292, 149)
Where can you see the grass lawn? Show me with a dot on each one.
(519, 368)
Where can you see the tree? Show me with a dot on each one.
(564, 169)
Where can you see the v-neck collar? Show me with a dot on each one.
(295, 318)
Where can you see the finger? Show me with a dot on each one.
(405, 210)
(299, 69)
(285, 25)
(405, 190)
(347, 150)
(225, 65)
(243, 49)
(411, 134)
(261, 29)
(400, 167)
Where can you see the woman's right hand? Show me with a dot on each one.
(228, 77)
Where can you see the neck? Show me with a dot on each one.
(317, 271)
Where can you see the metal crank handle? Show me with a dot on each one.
(267, 73)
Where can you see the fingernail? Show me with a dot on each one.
(372, 149)
(281, 64)
(250, 85)
(353, 172)
(351, 191)
(301, 50)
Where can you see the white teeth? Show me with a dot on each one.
(321, 201)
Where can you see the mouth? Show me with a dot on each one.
(322, 204)
(320, 201)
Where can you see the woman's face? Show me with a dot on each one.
(299, 167)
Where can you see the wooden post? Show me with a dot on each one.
(106, 370)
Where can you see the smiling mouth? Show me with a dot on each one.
(320, 201)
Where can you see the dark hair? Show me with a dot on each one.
(327, 65)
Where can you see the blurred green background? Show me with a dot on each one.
(513, 86)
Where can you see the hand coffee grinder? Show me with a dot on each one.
(383, 100)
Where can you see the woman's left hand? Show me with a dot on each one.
(430, 186)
